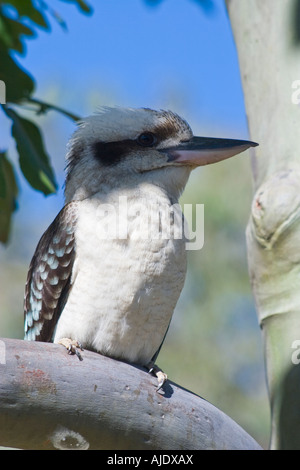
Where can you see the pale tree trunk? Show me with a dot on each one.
(270, 66)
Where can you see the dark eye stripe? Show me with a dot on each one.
(110, 153)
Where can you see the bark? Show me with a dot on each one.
(269, 65)
(50, 400)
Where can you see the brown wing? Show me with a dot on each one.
(49, 276)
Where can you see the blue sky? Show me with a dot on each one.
(174, 55)
(145, 56)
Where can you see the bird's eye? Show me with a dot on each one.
(147, 139)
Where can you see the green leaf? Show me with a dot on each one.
(44, 107)
(11, 32)
(82, 5)
(8, 195)
(34, 161)
(28, 9)
(2, 177)
(18, 83)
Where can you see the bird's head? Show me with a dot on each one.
(124, 146)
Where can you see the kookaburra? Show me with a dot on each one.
(99, 279)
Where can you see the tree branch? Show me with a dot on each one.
(50, 400)
(43, 107)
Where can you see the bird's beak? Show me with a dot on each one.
(200, 151)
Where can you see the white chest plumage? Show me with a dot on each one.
(127, 275)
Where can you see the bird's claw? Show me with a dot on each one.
(162, 378)
(159, 374)
(72, 346)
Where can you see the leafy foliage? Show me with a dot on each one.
(34, 161)
(20, 19)
(8, 195)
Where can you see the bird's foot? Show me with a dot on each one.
(72, 346)
(161, 376)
